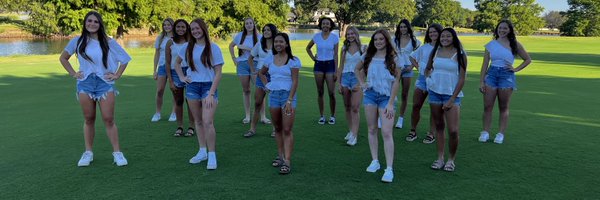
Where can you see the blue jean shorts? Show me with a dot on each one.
(501, 78)
(278, 99)
(178, 83)
(421, 83)
(325, 67)
(161, 71)
(349, 80)
(372, 98)
(441, 99)
(95, 87)
(260, 84)
(199, 90)
(243, 68)
(406, 74)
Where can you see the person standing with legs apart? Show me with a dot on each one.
(101, 62)
(260, 52)
(160, 74)
(245, 41)
(205, 63)
(284, 68)
(499, 81)
(419, 59)
(326, 61)
(351, 54)
(446, 71)
(379, 64)
(174, 46)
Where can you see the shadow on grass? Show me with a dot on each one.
(591, 60)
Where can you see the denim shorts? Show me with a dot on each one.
(243, 68)
(421, 83)
(260, 84)
(161, 71)
(500, 77)
(278, 99)
(325, 67)
(406, 74)
(435, 98)
(178, 83)
(95, 87)
(199, 90)
(372, 98)
(349, 80)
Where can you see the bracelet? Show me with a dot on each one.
(289, 101)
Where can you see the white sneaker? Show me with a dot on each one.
(86, 158)
(119, 159)
(212, 164)
(499, 138)
(388, 176)
(198, 158)
(321, 120)
(378, 122)
(484, 137)
(173, 117)
(400, 122)
(348, 136)
(351, 140)
(155, 117)
(373, 167)
(331, 120)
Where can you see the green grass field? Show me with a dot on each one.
(550, 151)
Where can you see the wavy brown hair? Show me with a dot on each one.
(206, 56)
(390, 53)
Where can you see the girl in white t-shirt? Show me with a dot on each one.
(405, 43)
(101, 61)
(379, 64)
(160, 74)
(445, 72)
(351, 54)
(174, 46)
(205, 63)
(244, 41)
(284, 69)
(261, 51)
(326, 61)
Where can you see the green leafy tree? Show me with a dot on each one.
(396, 10)
(524, 15)
(490, 13)
(554, 19)
(583, 18)
(436, 11)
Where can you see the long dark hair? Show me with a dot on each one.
(455, 43)
(356, 40)
(185, 36)
(435, 26)
(206, 56)
(263, 40)
(254, 34)
(390, 53)
(288, 49)
(163, 34)
(512, 38)
(102, 39)
(398, 34)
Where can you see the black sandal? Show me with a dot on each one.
(178, 132)
(249, 134)
(285, 169)
(277, 162)
(190, 132)
(429, 139)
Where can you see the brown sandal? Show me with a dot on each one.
(249, 134)
(178, 132)
(190, 132)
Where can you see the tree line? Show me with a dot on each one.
(63, 17)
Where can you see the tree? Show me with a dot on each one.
(436, 11)
(554, 19)
(490, 13)
(583, 18)
(396, 10)
(523, 14)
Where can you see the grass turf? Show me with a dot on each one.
(550, 149)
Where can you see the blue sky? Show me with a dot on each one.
(549, 5)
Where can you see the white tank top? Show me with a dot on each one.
(445, 75)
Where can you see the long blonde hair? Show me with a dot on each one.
(357, 40)
(163, 34)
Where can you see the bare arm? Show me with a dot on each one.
(341, 67)
(179, 71)
(64, 60)
(232, 52)
(335, 58)
(168, 66)
(389, 109)
(309, 51)
(360, 75)
(156, 58)
(461, 82)
(484, 68)
(262, 74)
(288, 108)
(523, 54)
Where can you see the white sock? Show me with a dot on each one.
(89, 152)
(202, 151)
(212, 156)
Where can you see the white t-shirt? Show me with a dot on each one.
(404, 52)
(281, 76)
(116, 57)
(202, 73)
(162, 46)
(421, 55)
(325, 48)
(260, 55)
(175, 49)
(247, 42)
(499, 55)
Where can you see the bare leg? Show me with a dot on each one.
(196, 107)
(438, 119)
(489, 99)
(355, 102)
(453, 123)
(503, 105)
(160, 90)
(107, 107)
(387, 125)
(319, 80)
(404, 95)
(245, 81)
(371, 114)
(88, 106)
(288, 136)
(329, 78)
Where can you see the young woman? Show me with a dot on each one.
(101, 62)
(160, 74)
(283, 67)
(326, 61)
(405, 43)
(445, 73)
(419, 59)
(260, 52)
(174, 46)
(499, 81)
(205, 63)
(352, 51)
(379, 64)
(244, 41)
